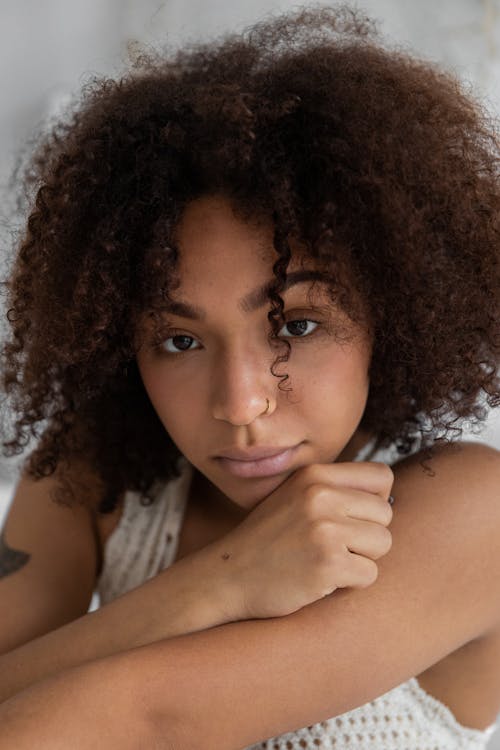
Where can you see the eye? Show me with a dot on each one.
(179, 343)
(298, 328)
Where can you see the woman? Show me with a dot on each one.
(256, 298)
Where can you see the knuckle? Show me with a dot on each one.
(387, 512)
(314, 500)
(386, 540)
(336, 567)
(387, 472)
(310, 503)
(326, 541)
(370, 573)
(319, 534)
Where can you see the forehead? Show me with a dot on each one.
(210, 226)
(215, 244)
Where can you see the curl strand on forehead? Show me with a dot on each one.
(324, 260)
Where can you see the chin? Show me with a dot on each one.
(251, 492)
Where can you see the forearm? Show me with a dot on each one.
(190, 596)
(83, 708)
(221, 689)
(218, 690)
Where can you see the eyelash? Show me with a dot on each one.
(179, 334)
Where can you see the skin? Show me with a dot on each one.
(222, 378)
(11, 559)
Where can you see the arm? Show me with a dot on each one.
(280, 562)
(52, 582)
(243, 682)
(75, 710)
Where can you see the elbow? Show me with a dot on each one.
(140, 711)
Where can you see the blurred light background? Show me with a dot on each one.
(49, 48)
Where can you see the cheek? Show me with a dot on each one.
(338, 370)
(160, 389)
(178, 401)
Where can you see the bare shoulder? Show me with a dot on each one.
(49, 556)
(460, 457)
(452, 501)
(465, 476)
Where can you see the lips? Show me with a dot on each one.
(257, 462)
(255, 453)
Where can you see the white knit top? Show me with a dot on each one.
(405, 718)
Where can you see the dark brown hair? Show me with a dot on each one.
(378, 162)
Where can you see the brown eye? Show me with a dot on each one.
(298, 328)
(179, 343)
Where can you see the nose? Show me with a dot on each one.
(243, 388)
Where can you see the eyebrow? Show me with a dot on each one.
(251, 301)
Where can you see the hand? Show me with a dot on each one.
(321, 529)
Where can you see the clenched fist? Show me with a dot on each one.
(320, 530)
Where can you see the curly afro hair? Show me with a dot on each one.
(380, 163)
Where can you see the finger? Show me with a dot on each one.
(367, 476)
(358, 572)
(368, 539)
(349, 503)
(367, 507)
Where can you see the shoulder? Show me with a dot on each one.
(447, 517)
(55, 566)
(472, 450)
(457, 473)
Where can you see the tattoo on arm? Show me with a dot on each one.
(11, 560)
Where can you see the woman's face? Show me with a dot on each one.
(210, 380)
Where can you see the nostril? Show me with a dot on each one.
(241, 414)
